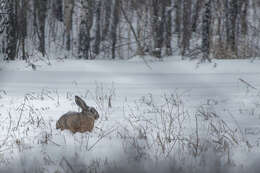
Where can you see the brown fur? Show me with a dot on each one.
(75, 122)
(78, 121)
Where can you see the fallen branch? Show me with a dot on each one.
(247, 84)
(100, 138)
(67, 163)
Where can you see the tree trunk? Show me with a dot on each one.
(3, 28)
(186, 33)
(168, 28)
(22, 25)
(233, 22)
(177, 19)
(86, 23)
(108, 10)
(57, 9)
(158, 21)
(116, 13)
(137, 34)
(244, 12)
(98, 29)
(227, 23)
(41, 12)
(206, 24)
(68, 10)
(196, 13)
(11, 30)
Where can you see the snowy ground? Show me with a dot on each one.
(32, 100)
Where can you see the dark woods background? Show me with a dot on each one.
(112, 29)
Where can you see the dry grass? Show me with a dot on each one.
(153, 130)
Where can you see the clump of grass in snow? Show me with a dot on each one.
(153, 129)
(168, 129)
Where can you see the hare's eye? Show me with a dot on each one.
(92, 110)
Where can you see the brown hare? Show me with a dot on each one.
(78, 121)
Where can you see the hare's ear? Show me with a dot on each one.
(81, 103)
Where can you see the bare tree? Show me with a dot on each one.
(41, 13)
(58, 9)
(244, 13)
(196, 13)
(158, 17)
(11, 29)
(168, 27)
(206, 24)
(114, 26)
(3, 27)
(233, 10)
(177, 20)
(137, 34)
(86, 23)
(68, 11)
(22, 25)
(98, 28)
(107, 17)
(186, 28)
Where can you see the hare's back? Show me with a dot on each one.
(65, 118)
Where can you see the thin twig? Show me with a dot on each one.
(20, 117)
(68, 164)
(9, 129)
(100, 138)
(247, 84)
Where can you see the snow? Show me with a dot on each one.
(50, 89)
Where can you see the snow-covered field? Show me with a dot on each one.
(196, 116)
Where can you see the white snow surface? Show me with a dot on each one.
(233, 86)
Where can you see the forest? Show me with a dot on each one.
(121, 29)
